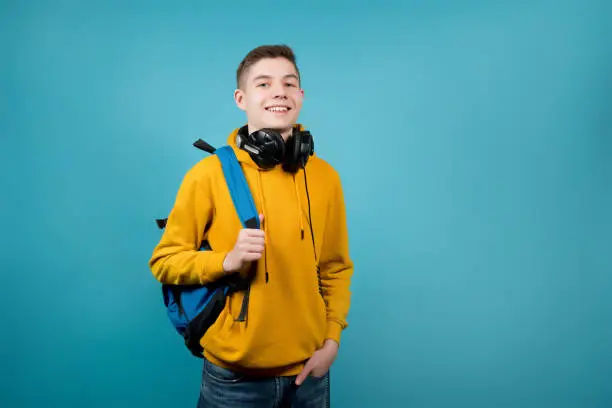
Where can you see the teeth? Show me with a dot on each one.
(278, 109)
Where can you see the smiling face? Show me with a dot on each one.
(271, 96)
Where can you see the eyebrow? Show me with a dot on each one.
(258, 77)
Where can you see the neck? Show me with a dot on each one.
(284, 132)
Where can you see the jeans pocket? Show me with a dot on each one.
(221, 374)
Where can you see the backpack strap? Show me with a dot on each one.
(243, 202)
(238, 187)
(236, 182)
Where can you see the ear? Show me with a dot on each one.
(239, 99)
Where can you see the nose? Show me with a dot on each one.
(279, 91)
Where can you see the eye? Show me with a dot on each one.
(290, 84)
(262, 84)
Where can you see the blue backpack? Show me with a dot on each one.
(192, 309)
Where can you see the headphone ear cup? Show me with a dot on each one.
(306, 145)
(270, 147)
(299, 148)
(292, 151)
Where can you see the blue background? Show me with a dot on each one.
(474, 141)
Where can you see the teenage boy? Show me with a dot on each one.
(275, 342)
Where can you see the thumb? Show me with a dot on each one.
(305, 371)
(261, 219)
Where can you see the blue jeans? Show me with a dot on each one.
(222, 388)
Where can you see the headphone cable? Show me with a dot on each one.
(314, 247)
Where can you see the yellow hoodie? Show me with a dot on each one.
(288, 318)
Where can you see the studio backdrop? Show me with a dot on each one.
(474, 144)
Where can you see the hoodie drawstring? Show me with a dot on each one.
(263, 210)
(300, 216)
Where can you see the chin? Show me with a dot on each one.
(279, 125)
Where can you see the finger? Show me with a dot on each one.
(261, 219)
(252, 256)
(251, 240)
(252, 248)
(246, 241)
(251, 245)
(253, 233)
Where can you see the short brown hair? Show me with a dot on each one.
(261, 52)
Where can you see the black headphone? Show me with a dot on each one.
(267, 148)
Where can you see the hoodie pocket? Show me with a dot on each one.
(239, 304)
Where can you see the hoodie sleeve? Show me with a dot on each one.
(177, 258)
(336, 266)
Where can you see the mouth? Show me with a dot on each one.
(278, 108)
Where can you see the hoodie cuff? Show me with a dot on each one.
(213, 268)
(334, 330)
